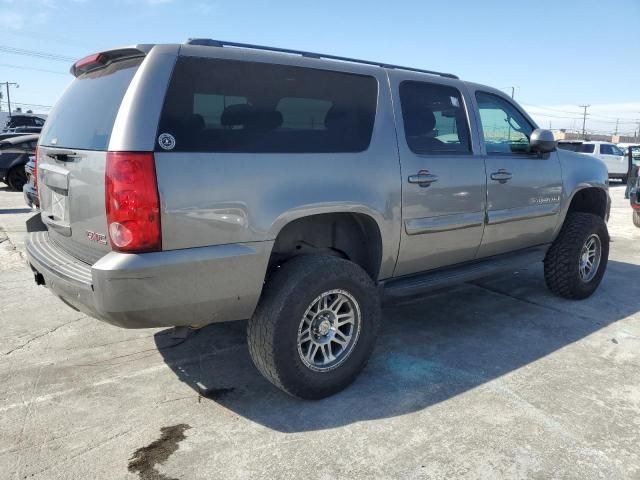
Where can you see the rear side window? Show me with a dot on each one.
(586, 148)
(230, 106)
(83, 118)
(434, 118)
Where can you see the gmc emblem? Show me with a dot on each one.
(96, 237)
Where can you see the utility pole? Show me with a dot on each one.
(617, 122)
(9, 84)
(584, 120)
(513, 92)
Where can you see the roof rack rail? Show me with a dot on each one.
(207, 42)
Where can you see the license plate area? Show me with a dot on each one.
(58, 206)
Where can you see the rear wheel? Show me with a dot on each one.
(315, 326)
(636, 218)
(576, 262)
(16, 178)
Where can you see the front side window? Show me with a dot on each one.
(215, 105)
(606, 149)
(617, 150)
(505, 129)
(434, 118)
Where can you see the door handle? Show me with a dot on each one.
(501, 176)
(423, 178)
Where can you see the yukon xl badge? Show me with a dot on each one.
(166, 141)
(96, 237)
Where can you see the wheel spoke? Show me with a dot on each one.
(311, 353)
(327, 354)
(336, 305)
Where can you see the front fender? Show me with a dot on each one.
(580, 172)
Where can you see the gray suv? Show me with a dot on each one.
(214, 181)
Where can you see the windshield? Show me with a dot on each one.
(83, 118)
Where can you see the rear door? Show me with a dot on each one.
(443, 182)
(614, 158)
(72, 155)
(524, 190)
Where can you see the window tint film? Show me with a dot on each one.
(84, 116)
(230, 106)
(586, 148)
(573, 147)
(616, 150)
(434, 118)
(505, 129)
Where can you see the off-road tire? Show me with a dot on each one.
(561, 264)
(636, 218)
(16, 178)
(273, 330)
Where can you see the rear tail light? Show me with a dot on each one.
(132, 203)
(35, 169)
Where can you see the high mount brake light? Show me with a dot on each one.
(132, 202)
(88, 62)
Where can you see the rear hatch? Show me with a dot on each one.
(73, 149)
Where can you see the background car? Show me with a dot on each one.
(16, 121)
(30, 189)
(14, 154)
(613, 157)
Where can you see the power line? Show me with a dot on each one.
(21, 67)
(35, 53)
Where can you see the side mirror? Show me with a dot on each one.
(542, 141)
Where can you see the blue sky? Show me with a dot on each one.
(558, 54)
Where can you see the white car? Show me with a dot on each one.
(614, 157)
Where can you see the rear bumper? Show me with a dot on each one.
(160, 289)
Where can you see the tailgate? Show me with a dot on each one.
(72, 158)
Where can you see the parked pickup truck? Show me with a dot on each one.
(215, 181)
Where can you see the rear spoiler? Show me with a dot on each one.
(102, 59)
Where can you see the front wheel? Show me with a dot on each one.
(636, 218)
(315, 326)
(576, 262)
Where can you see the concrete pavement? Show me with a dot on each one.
(496, 379)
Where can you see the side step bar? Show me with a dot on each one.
(414, 285)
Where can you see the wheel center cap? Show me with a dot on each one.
(323, 327)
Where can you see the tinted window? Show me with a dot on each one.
(230, 106)
(617, 150)
(574, 147)
(38, 121)
(606, 149)
(434, 118)
(586, 148)
(84, 116)
(505, 129)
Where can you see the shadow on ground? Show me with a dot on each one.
(428, 352)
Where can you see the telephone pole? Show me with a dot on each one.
(617, 123)
(8, 84)
(584, 120)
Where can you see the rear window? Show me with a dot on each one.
(231, 106)
(574, 147)
(586, 148)
(83, 117)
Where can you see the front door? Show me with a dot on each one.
(443, 182)
(524, 190)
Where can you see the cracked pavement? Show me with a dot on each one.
(495, 379)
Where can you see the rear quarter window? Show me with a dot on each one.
(586, 148)
(83, 118)
(217, 105)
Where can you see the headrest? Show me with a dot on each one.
(248, 116)
(235, 115)
(195, 122)
(336, 119)
(418, 121)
